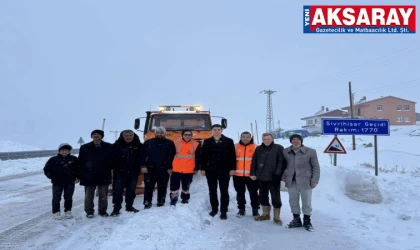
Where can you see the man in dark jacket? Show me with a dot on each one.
(63, 171)
(267, 167)
(156, 165)
(125, 160)
(95, 171)
(218, 163)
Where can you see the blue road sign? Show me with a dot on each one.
(336, 126)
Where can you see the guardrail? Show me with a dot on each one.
(4, 156)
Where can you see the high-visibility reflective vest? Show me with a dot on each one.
(184, 160)
(244, 155)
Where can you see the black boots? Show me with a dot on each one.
(132, 209)
(213, 212)
(115, 212)
(241, 213)
(296, 222)
(174, 199)
(147, 204)
(307, 223)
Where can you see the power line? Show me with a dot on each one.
(399, 85)
(403, 84)
(352, 71)
(355, 73)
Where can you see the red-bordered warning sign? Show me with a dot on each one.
(335, 147)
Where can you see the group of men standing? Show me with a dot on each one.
(260, 169)
(102, 163)
(98, 165)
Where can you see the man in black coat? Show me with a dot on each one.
(95, 171)
(268, 165)
(125, 160)
(156, 165)
(63, 170)
(218, 163)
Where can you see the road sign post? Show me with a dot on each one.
(376, 154)
(375, 127)
(335, 147)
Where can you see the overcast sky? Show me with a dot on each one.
(64, 66)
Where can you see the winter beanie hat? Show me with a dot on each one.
(97, 131)
(64, 146)
(296, 136)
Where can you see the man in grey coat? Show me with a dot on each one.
(267, 168)
(301, 176)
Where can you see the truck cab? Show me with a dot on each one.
(175, 119)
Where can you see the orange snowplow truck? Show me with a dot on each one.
(175, 118)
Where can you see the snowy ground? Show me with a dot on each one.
(340, 222)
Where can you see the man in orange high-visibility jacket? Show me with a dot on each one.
(241, 181)
(184, 166)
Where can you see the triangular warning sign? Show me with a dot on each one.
(81, 141)
(335, 147)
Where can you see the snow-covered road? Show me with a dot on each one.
(25, 208)
(26, 223)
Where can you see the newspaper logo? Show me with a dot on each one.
(359, 19)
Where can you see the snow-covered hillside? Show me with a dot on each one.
(20, 166)
(387, 219)
(9, 146)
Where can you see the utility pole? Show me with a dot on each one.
(269, 119)
(256, 131)
(352, 114)
(103, 125)
(116, 133)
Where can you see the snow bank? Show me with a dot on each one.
(415, 132)
(9, 146)
(20, 166)
(362, 188)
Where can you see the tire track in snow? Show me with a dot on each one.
(17, 176)
(14, 237)
(20, 203)
(29, 192)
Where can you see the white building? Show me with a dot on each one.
(314, 123)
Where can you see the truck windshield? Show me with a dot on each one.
(173, 122)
